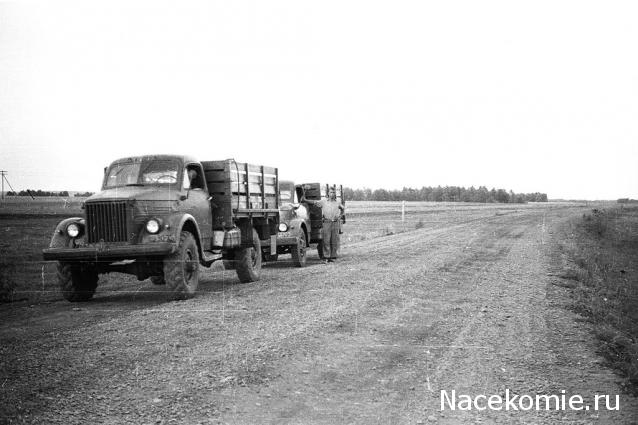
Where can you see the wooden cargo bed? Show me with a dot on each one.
(241, 190)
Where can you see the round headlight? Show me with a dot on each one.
(73, 230)
(152, 226)
(283, 227)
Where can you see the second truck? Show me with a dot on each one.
(300, 224)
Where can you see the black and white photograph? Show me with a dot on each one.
(338, 212)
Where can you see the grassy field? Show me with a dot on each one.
(41, 205)
(26, 226)
(601, 250)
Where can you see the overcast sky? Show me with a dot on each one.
(528, 96)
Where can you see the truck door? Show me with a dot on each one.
(197, 202)
(312, 191)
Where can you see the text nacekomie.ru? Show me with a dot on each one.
(453, 401)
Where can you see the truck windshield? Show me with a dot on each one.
(141, 173)
(285, 196)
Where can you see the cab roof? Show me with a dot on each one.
(182, 158)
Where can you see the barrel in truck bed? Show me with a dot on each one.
(239, 189)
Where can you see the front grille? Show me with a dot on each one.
(106, 221)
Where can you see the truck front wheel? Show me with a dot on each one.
(77, 282)
(181, 269)
(248, 261)
(299, 250)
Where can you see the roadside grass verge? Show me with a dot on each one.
(601, 250)
(23, 273)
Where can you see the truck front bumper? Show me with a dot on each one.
(109, 253)
(286, 238)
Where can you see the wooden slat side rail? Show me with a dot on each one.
(238, 188)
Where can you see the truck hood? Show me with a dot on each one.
(286, 214)
(289, 212)
(138, 193)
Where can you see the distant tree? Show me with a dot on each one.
(502, 196)
(467, 195)
(380, 195)
(348, 193)
(482, 194)
(437, 194)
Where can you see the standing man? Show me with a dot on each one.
(331, 212)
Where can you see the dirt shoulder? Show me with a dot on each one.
(373, 338)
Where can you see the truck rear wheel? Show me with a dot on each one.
(181, 270)
(299, 251)
(248, 261)
(76, 281)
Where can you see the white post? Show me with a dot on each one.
(403, 212)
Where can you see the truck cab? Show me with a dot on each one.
(294, 224)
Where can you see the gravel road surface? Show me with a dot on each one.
(373, 338)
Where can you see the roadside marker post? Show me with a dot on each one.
(403, 213)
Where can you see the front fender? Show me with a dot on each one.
(60, 239)
(297, 226)
(173, 226)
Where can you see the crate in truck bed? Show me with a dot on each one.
(239, 189)
(316, 191)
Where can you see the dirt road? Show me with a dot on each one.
(373, 338)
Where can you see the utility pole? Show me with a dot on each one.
(3, 174)
(4, 178)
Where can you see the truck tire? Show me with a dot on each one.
(181, 269)
(248, 261)
(77, 282)
(299, 251)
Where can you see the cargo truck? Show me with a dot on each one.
(161, 217)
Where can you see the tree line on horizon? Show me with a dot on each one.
(444, 194)
(428, 194)
(64, 193)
